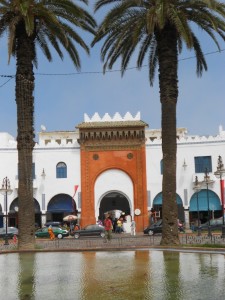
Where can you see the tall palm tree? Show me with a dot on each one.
(158, 29)
(29, 23)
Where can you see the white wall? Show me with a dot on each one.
(47, 157)
(187, 148)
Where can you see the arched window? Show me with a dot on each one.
(61, 170)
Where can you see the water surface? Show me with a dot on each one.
(127, 275)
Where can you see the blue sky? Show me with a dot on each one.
(62, 100)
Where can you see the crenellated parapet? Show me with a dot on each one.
(153, 137)
(57, 139)
(114, 131)
(116, 118)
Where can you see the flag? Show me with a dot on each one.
(74, 207)
(75, 190)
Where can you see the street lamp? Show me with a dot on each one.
(6, 190)
(220, 174)
(197, 188)
(208, 181)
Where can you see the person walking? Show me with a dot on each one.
(133, 227)
(108, 228)
(51, 233)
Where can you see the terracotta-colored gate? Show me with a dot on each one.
(113, 145)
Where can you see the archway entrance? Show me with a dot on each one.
(113, 145)
(59, 206)
(114, 201)
(13, 213)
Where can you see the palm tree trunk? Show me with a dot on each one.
(25, 110)
(168, 82)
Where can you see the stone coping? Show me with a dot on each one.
(123, 243)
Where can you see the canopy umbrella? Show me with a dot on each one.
(70, 218)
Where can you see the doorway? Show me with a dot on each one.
(114, 201)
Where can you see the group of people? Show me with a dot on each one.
(72, 227)
(115, 225)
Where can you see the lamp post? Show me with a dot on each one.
(6, 190)
(220, 174)
(207, 181)
(197, 188)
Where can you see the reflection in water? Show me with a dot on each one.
(123, 275)
(26, 276)
(171, 285)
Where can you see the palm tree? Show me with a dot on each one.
(160, 28)
(44, 23)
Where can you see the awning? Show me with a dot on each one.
(61, 203)
(158, 199)
(203, 200)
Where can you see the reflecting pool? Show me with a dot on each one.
(123, 275)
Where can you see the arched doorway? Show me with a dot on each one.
(118, 205)
(214, 208)
(114, 201)
(157, 205)
(59, 206)
(13, 213)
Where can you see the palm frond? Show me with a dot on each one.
(143, 19)
(47, 21)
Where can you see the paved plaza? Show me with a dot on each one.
(118, 242)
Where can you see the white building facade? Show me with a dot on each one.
(57, 175)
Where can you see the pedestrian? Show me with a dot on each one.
(133, 227)
(115, 224)
(71, 227)
(76, 227)
(65, 226)
(119, 225)
(108, 228)
(123, 217)
(14, 239)
(51, 233)
(99, 222)
(180, 226)
(152, 216)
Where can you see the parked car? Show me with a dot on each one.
(154, 228)
(215, 224)
(157, 228)
(90, 230)
(53, 224)
(58, 232)
(11, 231)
